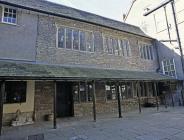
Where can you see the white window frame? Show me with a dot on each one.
(149, 51)
(164, 72)
(2, 20)
(74, 28)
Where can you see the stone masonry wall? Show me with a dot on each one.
(47, 51)
(44, 92)
(86, 109)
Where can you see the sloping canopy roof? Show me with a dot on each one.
(71, 13)
(12, 70)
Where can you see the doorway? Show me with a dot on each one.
(65, 107)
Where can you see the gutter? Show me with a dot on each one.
(63, 16)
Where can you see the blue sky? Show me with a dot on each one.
(113, 9)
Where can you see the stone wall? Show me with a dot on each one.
(44, 92)
(47, 51)
(107, 107)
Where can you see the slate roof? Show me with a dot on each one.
(17, 70)
(68, 12)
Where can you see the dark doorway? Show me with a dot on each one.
(64, 99)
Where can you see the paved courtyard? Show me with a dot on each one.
(165, 124)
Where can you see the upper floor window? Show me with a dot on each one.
(9, 15)
(116, 46)
(169, 67)
(75, 39)
(146, 51)
(125, 47)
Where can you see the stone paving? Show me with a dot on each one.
(165, 124)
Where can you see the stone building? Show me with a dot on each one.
(59, 60)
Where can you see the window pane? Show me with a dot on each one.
(76, 39)
(69, 38)
(75, 93)
(122, 47)
(83, 96)
(148, 52)
(116, 47)
(106, 43)
(82, 41)
(127, 47)
(172, 67)
(6, 10)
(61, 38)
(98, 42)
(110, 46)
(5, 19)
(110, 92)
(89, 41)
(5, 14)
(14, 16)
(151, 52)
(10, 10)
(14, 11)
(13, 20)
(145, 52)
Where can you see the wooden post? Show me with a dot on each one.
(86, 90)
(55, 102)
(132, 89)
(156, 93)
(119, 99)
(94, 101)
(105, 92)
(171, 95)
(144, 93)
(182, 98)
(79, 97)
(138, 95)
(1, 105)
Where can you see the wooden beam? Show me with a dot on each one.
(138, 95)
(94, 102)
(165, 100)
(55, 102)
(86, 90)
(132, 89)
(182, 98)
(79, 97)
(143, 90)
(156, 93)
(1, 105)
(171, 95)
(119, 99)
(105, 92)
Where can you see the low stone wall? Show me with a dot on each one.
(86, 109)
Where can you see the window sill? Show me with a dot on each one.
(7, 23)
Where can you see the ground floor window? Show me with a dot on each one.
(111, 92)
(82, 92)
(15, 92)
(126, 90)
